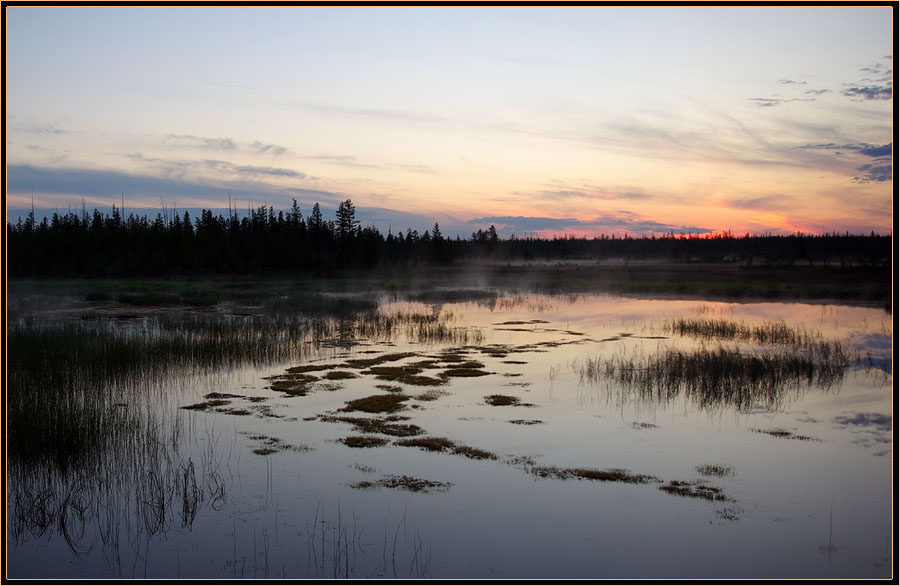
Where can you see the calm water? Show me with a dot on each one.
(254, 482)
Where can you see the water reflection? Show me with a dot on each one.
(409, 439)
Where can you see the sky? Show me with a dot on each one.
(543, 121)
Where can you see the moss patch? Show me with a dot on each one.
(694, 490)
(377, 403)
(340, 375)
(505, 400)
(386, 426)
(719, 470)
(404, 483)
(609, 475)
(363, 441)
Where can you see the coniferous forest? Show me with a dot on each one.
(269, 241)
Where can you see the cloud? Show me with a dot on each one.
(862, 148)
(791, 82)
(200, 142)
(817, 92)
(98, 183)
(587, 193)
(623, 221)
(878, 151)
(879, 171)
(772, 102)
(267, 149)
(526, 224)
(766, 202)
(177, 167)
(870, 92)
(190, 141)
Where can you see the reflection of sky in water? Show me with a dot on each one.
(499, 521)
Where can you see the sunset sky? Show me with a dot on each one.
(540, 120)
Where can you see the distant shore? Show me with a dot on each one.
(852, 285)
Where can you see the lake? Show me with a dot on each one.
(478, 433)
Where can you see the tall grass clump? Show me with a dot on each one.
(724, 376)
(766, 333)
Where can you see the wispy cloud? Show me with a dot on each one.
(200, 142)
(791, 82)
(765, 202)
(178, 167)
(223, 143)
(870, 92)
(876, 85)
(622, 222)
(100, 183)
(772, 102)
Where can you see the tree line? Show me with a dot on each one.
(269, 241)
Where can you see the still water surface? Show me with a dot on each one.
(254, 482)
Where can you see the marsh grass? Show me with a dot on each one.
(694, 490)
(378, 403)
(463, 372)
(505, 400)
(404, 482)
(386, 426)
(724, 376)
(363, 441)
(719, 470)
(766, 333)
(786, 434)
(442, 444)
(608, 475)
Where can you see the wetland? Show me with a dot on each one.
(243, 429)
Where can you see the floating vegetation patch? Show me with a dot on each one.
(431, 444)
(442, 444)
(786, 434)
(521, 323)
(729, 513)
(526, 421)
(464, 372)
(694, 490)
(404, 482)
(368, 362)
(392, 372)
(312, 368)
(389, 388)
(207, 405)
(377, 403)
(608, 475)
(719, 470)
(514, 362)
(430, 395)
(642, 425)
(726, 376)
(216, 395)
(505, 400)
(420, 380)
(273, 445)
(363, 441)
(340, 375)
(386, 426)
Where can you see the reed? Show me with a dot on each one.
(715, 378)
